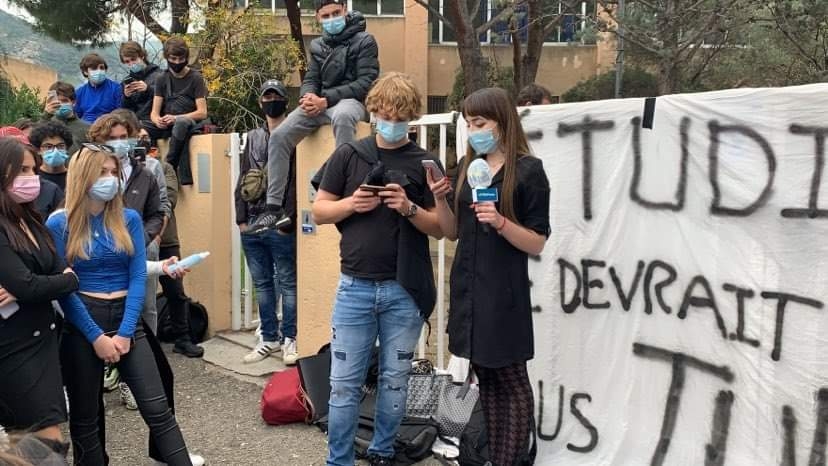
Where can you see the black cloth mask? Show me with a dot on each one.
(275, 108)
(176, 67)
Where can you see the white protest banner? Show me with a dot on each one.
(679, 303)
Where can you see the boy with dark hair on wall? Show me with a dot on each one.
(99, 95)
(61, 107)
(139, 84)
(178, 106)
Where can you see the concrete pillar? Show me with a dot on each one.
(205, 224)
(317, 246)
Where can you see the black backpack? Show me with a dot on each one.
(198, 319)
(413, 441)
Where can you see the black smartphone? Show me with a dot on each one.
(373, 188)
(128, 80)
(140, 154)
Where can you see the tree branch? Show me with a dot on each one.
(136, 9)
(436, 12)
(505, 13)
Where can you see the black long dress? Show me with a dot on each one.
(490, 314)
(31, 393)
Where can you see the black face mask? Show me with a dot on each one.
(145, 143)
(275, 108)
(176, 67)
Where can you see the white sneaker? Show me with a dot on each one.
(197, 460)
(289, 353)
(262, 350)
(126, 397)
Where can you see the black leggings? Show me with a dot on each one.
(508, 404)
(83, 376)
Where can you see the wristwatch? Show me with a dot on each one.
(412, 211)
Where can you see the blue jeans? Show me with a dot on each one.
(268, 254)
(363, 311)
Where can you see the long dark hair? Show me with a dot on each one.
(495, 104)
(12, 213)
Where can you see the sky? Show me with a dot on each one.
(119, 33)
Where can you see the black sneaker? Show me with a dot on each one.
(376, 460)
(270, 220)
(187, 348)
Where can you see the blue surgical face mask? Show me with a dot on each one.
(333, 26)
(137, 67)
(97, 76)
(64, 111)
(104, 189)
(120, 147)
(483, 141)
(55, 157)
(392, 132)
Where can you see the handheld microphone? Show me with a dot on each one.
(479, 176)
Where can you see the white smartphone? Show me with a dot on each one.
(436, 172)
(52, 95)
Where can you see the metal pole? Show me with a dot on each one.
(619, 59)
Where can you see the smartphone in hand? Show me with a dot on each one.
(434, 168)
(373, 188)
(51, 96)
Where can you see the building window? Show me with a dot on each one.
(367, 7)
(571, 22)
(436, 104)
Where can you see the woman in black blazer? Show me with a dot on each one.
(31, 276)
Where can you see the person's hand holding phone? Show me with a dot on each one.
(364, 200)
(394, 197)
(52, 103)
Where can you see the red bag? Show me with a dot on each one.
(282, 399)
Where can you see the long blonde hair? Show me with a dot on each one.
(84, 170)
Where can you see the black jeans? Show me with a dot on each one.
(83, 376)
(176, 298)
(178, 154)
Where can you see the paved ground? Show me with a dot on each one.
(218, 410)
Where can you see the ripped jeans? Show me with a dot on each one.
(363, 311)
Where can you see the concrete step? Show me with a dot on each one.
(227, 349)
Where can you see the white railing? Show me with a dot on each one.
(242, 307)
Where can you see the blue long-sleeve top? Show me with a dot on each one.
(107, 270)
(94, 101)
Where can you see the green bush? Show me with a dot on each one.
(636, 83)
(16, 103)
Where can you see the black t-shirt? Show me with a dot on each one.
(56, 178)
(180, 94)
(368, 247)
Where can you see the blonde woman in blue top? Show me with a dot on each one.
(104, 243)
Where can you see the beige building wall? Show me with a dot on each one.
(205, 224)
(317, 251)
(560, 67)
(22, 72)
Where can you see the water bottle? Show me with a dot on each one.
(189, 261)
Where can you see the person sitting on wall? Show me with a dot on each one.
(343, 64)
(179, 105)
(139, 85)
(99, 95)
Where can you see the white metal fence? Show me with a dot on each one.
(243, 317)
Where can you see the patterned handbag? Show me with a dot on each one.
(454, 408)
(423, 392)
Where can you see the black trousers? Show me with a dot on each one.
(178, 155)
(83, 376)
(176, 297)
